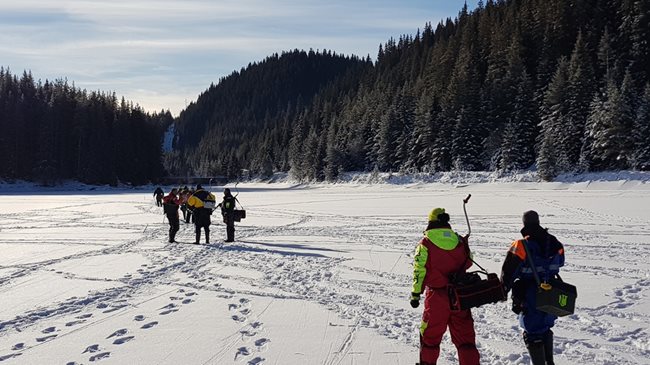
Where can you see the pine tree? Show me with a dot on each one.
(641, 156)
(612, 129)
(579, 93)
(518, 148)
(551, 160)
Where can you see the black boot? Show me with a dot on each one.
(535, 348)
(548, 347)
(536, 351)
(230, 233)
(198, 237)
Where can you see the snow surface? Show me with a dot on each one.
(319, 274)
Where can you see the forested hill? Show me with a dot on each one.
(236, 123)
(554, 84)
(52, 131)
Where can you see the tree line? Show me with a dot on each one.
(53, 131)
(560, 86)
(556, 85)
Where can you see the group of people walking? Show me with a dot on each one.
(443, 252)
(197, 206)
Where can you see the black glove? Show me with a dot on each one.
(415, 300)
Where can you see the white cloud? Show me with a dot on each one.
(163, 52)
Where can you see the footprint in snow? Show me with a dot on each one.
(257, 360)
(170, 308)
(18, 346)
(84, 316)
(123, 340)
(6, 357)
(232, 307)
(190, 294)
(138, 318)
(117, 307)
(256, 325)
(242, 351)
(262, 342)
(245, 311)
(49, 330)
(45, 338)
(149, 325)
(188, 301)
(91, 349)
(238, 318)
(102, 305)
(120, 332)
(72, 323)
(98, 357)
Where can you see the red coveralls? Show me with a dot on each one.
(440, 253)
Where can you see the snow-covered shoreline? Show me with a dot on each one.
(610, 180)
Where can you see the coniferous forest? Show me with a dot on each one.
(555, 85)
(53, 131)
(558, 85)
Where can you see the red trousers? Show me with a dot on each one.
(435, 320)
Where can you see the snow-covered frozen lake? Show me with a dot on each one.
(319, 274)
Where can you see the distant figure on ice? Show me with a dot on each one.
(202, 203)
(170, 207)
(183, 196)
(158, 194)
(516, 274)
(440, 253)
(189, 216)
(228, 212)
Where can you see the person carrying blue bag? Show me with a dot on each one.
(547, 255)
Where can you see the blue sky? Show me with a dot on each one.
(162, 54)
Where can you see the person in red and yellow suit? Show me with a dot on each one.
(440, 253)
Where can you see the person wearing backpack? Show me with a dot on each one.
(201, 203)
(548, 256)
(228, 212)
(439, 254)
(170, 207)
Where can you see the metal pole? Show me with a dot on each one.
(466, 217)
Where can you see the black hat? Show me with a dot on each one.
(226, 191)
(198, 186)
(530, 218)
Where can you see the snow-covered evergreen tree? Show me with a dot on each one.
(641, 133)
(551, 159)
(580, 93)
(518, 147)
(611, 127)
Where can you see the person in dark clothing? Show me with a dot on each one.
(170, 206)
(202, 203)
(189, 216)
(183, 196)
(548, 256)
(159, 194)
(228, 212)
